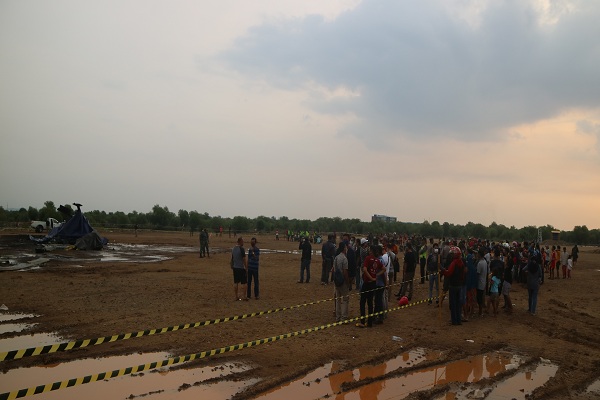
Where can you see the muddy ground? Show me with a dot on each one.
(94, 298)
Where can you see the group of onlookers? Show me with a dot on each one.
(474, 275)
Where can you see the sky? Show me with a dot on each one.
(440, 110)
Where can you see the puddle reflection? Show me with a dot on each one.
(520, 385)
(327, 379)
(27, 341)
(159, 384)
(594, 387)
(13, 317)
(5, 328)
(468, 370)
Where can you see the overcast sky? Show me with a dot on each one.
(431, 110)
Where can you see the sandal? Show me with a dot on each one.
(360, 325)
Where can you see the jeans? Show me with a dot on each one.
(326, 270)
(341, 302)
(454, 300)
(366, 296)
(533, 294)
(358, 280)
(422, 262)
(252, 275)
(408, 284)
(305, 266)
(379, 302)
(433, 279)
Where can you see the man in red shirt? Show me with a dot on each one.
(371, 267)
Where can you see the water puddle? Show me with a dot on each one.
(15, 316)
(165, 383)
(327, 379)
(27, 341)
(469, 370)
(5, 328)
(594, 387)
(520, 385)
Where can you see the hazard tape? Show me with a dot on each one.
(182, 359)
(77, 344)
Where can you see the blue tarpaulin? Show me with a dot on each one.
(76, 227)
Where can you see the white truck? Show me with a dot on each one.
(40, 226)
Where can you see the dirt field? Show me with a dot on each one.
(111, 297)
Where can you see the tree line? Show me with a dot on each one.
(161, 218)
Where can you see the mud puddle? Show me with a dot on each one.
(113, 252)
(326, 382)
(165, 383)
(15, 316)
(14, 328)
(327, 379)
(520, 385)
(594, 387)
(29, 340)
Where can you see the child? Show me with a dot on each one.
(563, 261)
(552, 262)
(569, 266)
(495, 292)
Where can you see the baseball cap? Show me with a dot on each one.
(363, 241)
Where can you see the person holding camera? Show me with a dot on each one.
(253, 257)
(305, 259)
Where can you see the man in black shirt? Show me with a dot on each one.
(305, 259)
(410, 265)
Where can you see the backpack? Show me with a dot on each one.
(338, 277)
(432, 263)
(338, 274)
(351, 265)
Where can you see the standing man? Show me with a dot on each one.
(482, 275)
(410, 265)
(423, 260)
(433, 265)
(363, 252)
(239, 265)
(371, 267)
(327, 254)
(351, 256)
(253, 257)
(204, 243)
(305, 259)
(342, 288)
(456, 276)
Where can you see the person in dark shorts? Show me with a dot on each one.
(239, 265)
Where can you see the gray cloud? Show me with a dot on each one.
(423, 72)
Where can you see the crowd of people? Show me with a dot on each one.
(475, 275)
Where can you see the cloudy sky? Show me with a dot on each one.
(447, 110)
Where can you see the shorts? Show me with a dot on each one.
(506, 288)
(239, 276)
(480, 296)
(494, 296)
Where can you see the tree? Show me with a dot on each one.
(49, 211)
(446, 229)
(33, 213)
(581, 234)
(161, 217)
(184, 217)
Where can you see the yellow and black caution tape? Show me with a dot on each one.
(77, 344)
(181, 359)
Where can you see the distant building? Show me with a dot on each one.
(384, 218)
(555, 235)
